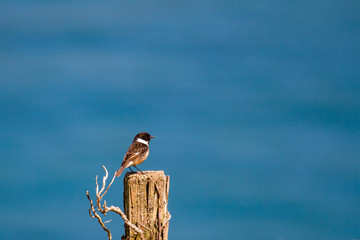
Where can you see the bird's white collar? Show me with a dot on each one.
(143, 141)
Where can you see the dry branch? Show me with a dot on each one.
(104, 209)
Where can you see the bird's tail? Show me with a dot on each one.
(118, 172)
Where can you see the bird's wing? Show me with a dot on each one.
(134, 150)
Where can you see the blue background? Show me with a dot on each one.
(255, 105)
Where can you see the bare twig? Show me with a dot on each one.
(126, 220)
(104, 209)
(104, 179)
(145, 227)
(164, 224)
(96, 215)
(107, 221)
(109, 184)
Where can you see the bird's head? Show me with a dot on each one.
(143, 136)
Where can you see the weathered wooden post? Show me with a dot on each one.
(145, 204)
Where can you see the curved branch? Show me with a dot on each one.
(104, 209)
(96, 215)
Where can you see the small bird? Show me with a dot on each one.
(137, 152)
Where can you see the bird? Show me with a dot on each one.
(137, 152)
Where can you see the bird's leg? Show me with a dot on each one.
(131, 170)
(138, 169)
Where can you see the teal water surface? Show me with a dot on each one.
(255, 106)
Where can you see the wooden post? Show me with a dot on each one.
(145, 204)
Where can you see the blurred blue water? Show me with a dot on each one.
(255, 105)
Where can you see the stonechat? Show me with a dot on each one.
(137, 152)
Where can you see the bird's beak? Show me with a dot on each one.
(152, 136)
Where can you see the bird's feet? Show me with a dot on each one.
(139, 170)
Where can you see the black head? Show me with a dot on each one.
(144, 136)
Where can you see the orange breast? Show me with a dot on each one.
(140, 159)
